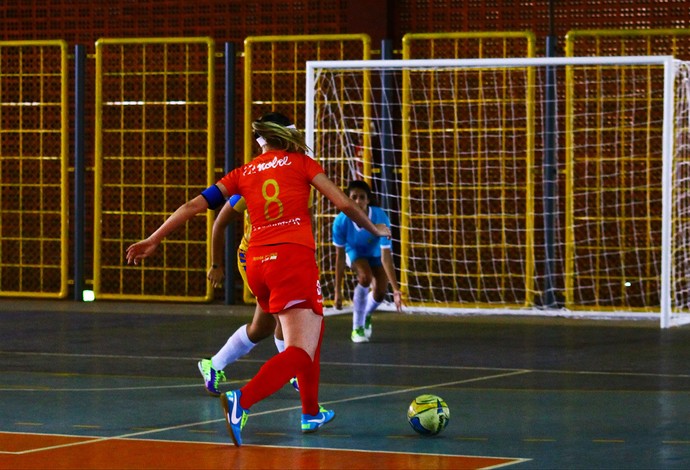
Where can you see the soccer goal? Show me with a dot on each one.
(553, 186)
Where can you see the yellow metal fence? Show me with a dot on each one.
(473, 273)
(613, 185)
(154, 150)
(34, 207)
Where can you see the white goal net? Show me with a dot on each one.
(551, 186)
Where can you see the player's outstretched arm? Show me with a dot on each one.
(145, 248)
(348, 206)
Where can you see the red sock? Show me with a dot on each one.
(274, 374)
(309, 381)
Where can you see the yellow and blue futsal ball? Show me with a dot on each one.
(428, 414)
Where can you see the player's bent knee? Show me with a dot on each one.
(257, 332)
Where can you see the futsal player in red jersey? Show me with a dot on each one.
(281, 263)
(263, 324)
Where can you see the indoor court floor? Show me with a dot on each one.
(115, 385)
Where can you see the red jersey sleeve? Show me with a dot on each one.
(231, 181)
(312, 168)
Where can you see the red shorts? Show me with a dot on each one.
(284, 276)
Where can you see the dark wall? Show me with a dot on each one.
(84, 21)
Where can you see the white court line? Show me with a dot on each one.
(278, 410)
(352, 364)
(515, 460)
(95, 389)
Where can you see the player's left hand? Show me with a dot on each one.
(216, 276)
(140, 250)
(397, 299)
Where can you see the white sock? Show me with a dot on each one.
(371, 306)
(237, 346)
(280, 344)
(359, 302)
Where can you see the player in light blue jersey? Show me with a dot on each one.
(369, 257)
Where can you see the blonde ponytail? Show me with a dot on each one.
(280, 137)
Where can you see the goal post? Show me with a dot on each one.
(499, 191)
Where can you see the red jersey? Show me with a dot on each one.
(276, 187)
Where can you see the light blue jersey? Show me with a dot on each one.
(358, 242)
